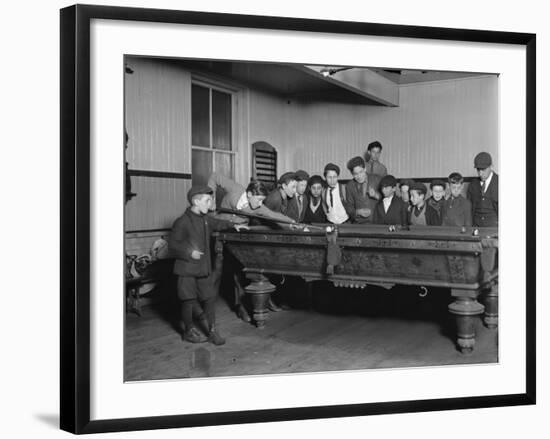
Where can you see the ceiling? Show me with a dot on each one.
(366, 86)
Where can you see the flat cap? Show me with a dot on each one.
(354, 162)
(407, 182)
(316, 179)
(419, 187)
(301, 175)
(483, 160)
(332, 167)
(286, 178)
(388, 180)
(198, 190)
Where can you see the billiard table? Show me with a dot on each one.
(464, 260)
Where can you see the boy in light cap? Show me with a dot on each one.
(190, 243)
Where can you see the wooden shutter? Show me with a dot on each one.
(264, 164)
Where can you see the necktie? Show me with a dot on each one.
(300, 206)
(331, 197)
(482, 187)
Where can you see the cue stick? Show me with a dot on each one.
(252, 215)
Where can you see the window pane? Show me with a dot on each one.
(201, 166)
(223, 164)
(221, 120)
(200, 116)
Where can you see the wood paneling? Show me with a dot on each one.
(158, 203)
(438, 128)
(157, 115)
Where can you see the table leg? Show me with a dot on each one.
(491, 307)
(260, 290)
(465, 308)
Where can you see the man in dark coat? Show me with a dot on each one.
(483, 192)
(390, 210)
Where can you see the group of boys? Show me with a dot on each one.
(303, 199)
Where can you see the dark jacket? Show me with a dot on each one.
(484, 205)
(293, 210)
(432, 217)
(319, 216)
(343, 197)
(276, 202)
(357, 196)
(396, 215)
(192, 232)
(456, 212)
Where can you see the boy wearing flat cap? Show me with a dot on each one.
(279, 198)
(297, 205)
(390, 210)
(249, 199)
(190, 243)
(404, 188)
(338, 209)
(437, 198)
(362, 191)
(421, 213)
(457, 210)
(483, 192)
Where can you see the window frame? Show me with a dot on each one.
(233, 92)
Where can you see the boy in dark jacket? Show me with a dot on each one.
(390, 209)
(457, 210)
(190, 243)
(316, 211)
(421, 213)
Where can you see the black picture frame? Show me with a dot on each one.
(75, 217)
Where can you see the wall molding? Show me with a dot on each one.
(159, 174)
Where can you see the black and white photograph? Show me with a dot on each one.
(275, 219)
(284, 218)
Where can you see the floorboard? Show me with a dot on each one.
(341, 330)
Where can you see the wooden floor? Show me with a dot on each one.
(340, 329)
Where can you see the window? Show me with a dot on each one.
(211, 132)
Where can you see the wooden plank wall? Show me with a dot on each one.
(437, 129)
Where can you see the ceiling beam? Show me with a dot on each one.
(361, 81)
